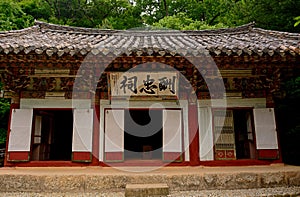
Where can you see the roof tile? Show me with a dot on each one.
(57, 39)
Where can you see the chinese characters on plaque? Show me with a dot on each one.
(143, 84)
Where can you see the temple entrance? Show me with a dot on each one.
(244, 140)
(234, 133)
(52, 136)
(143, 135)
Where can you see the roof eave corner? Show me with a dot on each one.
(251, 25)
(40, 24)
(37, 22)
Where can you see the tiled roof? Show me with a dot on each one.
(60, 40)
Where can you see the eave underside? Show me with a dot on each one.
(245, 76)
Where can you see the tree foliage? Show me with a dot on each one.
(181, 21)
(270, 14)
(292, 88)
(4, 112)
(297, 19)
(12, 16)
(115, 14)
(126, 14)
(288, 117)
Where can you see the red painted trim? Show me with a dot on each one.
(12, 107)
(242, 162)
(119, 108)
(125, 163)
(193, 134)
(158, 163)
(114, 156)
(52, 109)
(172, 156)
(81, 156)
(225, 154)
(268, 154)
(278, 136)
(96, 135)
(47, 164)
(19, 156)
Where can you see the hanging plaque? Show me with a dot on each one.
(144, 84)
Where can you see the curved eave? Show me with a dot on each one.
(64, 40)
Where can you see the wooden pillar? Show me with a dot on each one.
(193, 134)
(96, 134)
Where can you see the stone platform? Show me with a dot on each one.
(107, 179)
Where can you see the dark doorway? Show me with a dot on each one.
(52, 138)
(244, 141)
(143, 134)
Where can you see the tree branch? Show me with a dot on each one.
(214, 18)
(166, 7)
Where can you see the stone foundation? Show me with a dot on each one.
(60, 182)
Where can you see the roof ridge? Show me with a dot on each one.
(18, 31)
(239, 29)
(277, 34)
(65, 28)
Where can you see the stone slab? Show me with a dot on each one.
(141, 190)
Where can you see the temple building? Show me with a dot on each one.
(91, 97)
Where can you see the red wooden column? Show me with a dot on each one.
(193, 134)
(95, 152)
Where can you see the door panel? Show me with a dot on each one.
(172, 135)
(114, 135)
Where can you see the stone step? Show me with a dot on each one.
(262, 192)
(142, 190)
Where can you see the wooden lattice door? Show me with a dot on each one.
(224, 135)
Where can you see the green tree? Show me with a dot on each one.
(38, 9)
(288, 117)
(297, 19)
(12, 16)
(181, 21)
(276, 15)
(150, 10)
(125, 14)
(4, 113)
(292, 88)
(267, 14)
(115, 14)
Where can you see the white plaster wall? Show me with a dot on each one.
(55, 103)
(233, 102)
